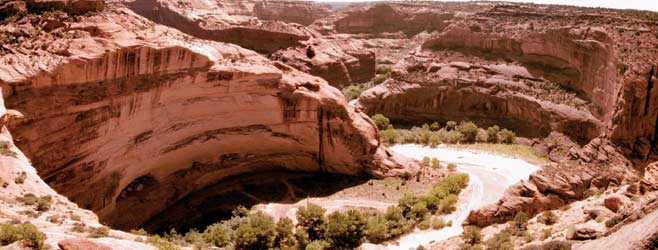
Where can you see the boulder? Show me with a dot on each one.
(11, 8)
(584, 234)
(616, 202)
(81, 244)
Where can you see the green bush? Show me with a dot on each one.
(451, 125)
(383, 69)
(434, 140)
(469, 130)
(500, 241)
(258, 233)
(426, 161)
(438, 223)
(219, 234)
(27, 234)
(311, 220)
(548, 218)
(381, 121)
(546, 233)
(556, 245)
(472, 235)
(100, 232)
(425, 223)
(284, 233)
(318, 245)
(435, 126)
(521, 221)
(452, 166)
(377, 229)
(352, 92)
(506, 136)
(42, 203)
(345, 230)
(436, 163)
(492, 133)
(396, 223)
(389, 136)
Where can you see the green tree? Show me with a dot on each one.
(381, 121)
(492, 133)
(258, 233)
(506, 136)
(219, 234)
(426, 161)
(377, 229)
(472, 235)
(311, 220)
(451, 125)
(435, 126)
(389, 135)
(396, 223)
(469, 130)
(345, 230)
(521, 220)
(352, 92)
(284, 234)
(436, 163)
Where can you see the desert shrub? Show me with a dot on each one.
(426, 161)
(506, 136)
(318, 245)
(447, 204)
(378, 79)
(451, 136)
(492, 133)
(219, 234)
(406, 202)
(376, 229)
(76, 217)
(546, 233)
(548, 218)
(436, 163)
(452, 166)
(472, 235)
(389, 136)
(42, 203)
(431, 201)
(418, 210)
(614, 221)
(521, 220)
(469, 130)
(382, 69)
(100, 232)
(435, 126)
(352, 92)
(302, 239)
(311, 220)
(424, 224)
(381, 121)
(438, 223)
(258, 233)
(500, 241)
(451, 125)
(161, 243)
(284, 234)
(345, 230)
(434, 140)
(482, 136)
(556, 245)
(27, 234)
(395, 222)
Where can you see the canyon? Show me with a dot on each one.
(169, 114)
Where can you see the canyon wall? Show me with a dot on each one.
(130, 121)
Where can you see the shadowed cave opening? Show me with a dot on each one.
(215, 203)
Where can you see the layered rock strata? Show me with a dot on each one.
(127, 118)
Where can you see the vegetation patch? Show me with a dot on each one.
(27, 234)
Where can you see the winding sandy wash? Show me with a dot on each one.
(490, 175)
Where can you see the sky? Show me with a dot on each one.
(616, 4)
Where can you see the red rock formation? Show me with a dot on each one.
(122, 119)
(301, 12)
(81, 244)
(340, 61)
(229, 22)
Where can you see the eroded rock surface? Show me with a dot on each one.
(122, 118)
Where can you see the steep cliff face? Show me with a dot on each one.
(339, 60)
(131, 120)
(229, 22)
(408, 19)
(301, 12)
